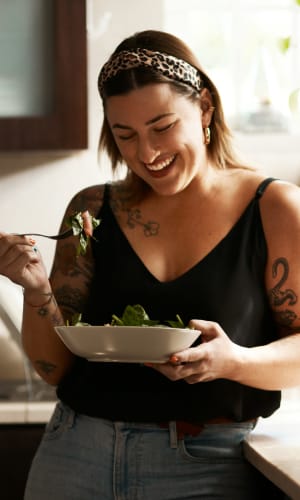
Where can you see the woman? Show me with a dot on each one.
(189, 231)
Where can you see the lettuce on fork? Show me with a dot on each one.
(82, 225)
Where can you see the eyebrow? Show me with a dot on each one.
(149, 122)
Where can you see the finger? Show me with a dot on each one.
(18, 257)
(195, 379)
(203, 325)
(176, 372)
(165, 369)
(189, 355)
(209, 329)
(14, 239)
(11, 245)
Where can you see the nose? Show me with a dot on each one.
(147, 151)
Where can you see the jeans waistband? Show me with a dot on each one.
(179, 428)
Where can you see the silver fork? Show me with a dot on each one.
(59, 236)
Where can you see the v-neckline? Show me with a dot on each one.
(197, 264)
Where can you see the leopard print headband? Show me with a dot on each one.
(169, 66)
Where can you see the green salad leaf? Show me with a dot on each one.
(132, 316)
(76, 223)
(76, 321)
(136, 316)
(178, 323)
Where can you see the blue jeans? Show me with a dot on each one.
(84, 458)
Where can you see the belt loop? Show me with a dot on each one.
(173, 434)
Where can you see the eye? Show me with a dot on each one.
(125, 137)
(165, 128)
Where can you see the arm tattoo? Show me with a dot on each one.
(45, 366)
(276, 295)
(286, 318)
(279, 296)
(70, 299)
(57, 319)
(43, 311)
(68, 264)
(91, 197)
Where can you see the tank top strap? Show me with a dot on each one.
(106, 193)
(263, 186)
(105, 201)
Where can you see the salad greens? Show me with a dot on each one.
(76, 321)
(77, 224)
(132, 316)
(137, 316)
(178, 323)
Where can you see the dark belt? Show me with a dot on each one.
(194, 428)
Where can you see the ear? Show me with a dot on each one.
(206, 104)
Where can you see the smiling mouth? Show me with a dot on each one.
(156, 167)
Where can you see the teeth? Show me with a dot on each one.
(159, 166)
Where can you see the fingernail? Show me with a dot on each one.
(32, 241)
(174, 359)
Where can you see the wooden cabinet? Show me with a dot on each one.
(65, 125)
(19, 443)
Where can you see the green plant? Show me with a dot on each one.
(284, 45)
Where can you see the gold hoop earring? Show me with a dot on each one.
(206, 136)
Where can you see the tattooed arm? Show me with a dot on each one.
(277, 365)
(48, 303)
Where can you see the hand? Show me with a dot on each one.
(216, 357)
(21, 262)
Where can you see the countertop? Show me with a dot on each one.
(17, 412)
(274, 448)
(23, 402)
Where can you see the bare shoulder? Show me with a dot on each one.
(89, 198)
(280, 213)
(279, 197)
(239, 187)
(281, 201)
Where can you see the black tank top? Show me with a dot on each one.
(226, 286)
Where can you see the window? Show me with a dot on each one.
(251, 50)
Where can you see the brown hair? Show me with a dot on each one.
(219, 151)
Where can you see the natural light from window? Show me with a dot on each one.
(251, 50)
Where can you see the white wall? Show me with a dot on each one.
(36, 186)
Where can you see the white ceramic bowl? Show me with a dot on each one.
(133, 344)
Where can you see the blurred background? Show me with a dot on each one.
(50, 55)
(250, 48)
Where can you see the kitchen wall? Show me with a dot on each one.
(36, 186)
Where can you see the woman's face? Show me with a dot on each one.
(159, 134)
